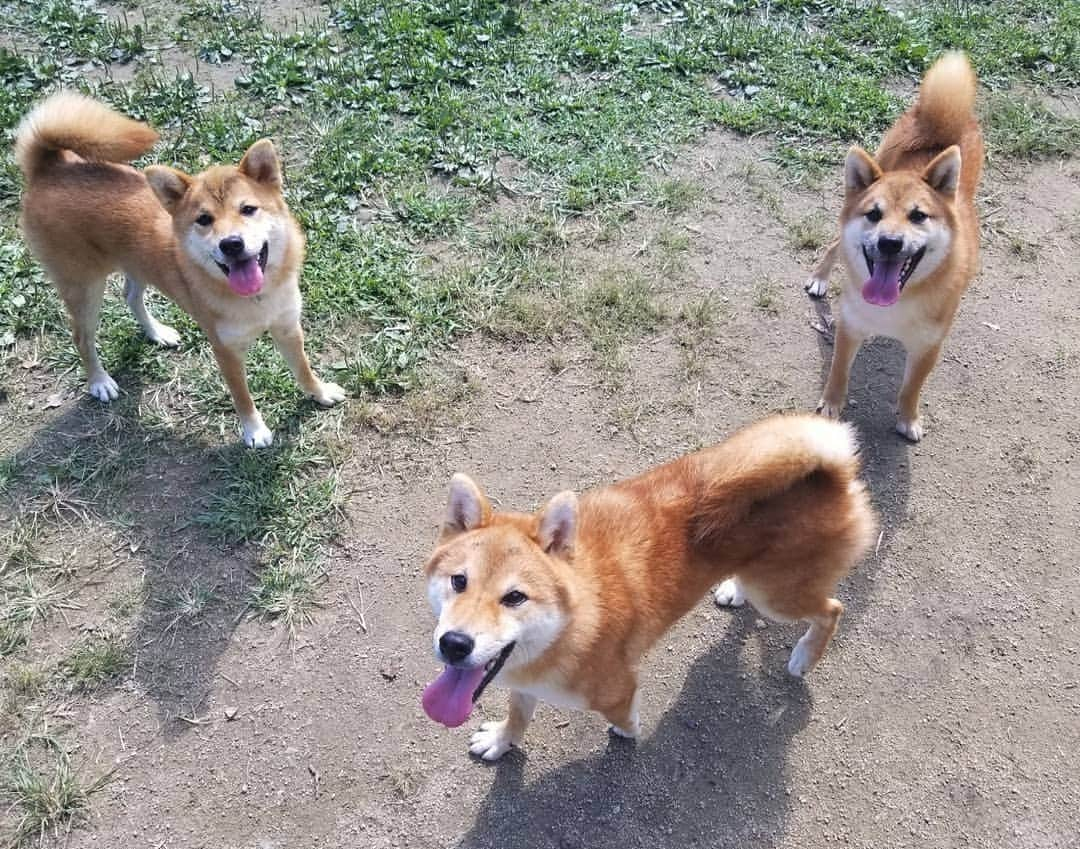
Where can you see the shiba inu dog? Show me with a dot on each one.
(908, 235)
(222, 244)
(561, 605)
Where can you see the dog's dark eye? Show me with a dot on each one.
(205, 220)
(458, 582)
(248, 209)
(917, 216)
(514, 598)
(874, 215)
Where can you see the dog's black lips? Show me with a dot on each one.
(264, 254)
(906, 271)
(493, 670)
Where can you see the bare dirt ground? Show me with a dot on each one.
(947, 713)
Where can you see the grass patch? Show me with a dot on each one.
(95, 661)
(1017, 126)
(46, 793)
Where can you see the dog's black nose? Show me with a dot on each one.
(231, 246)
(889, 245)
(455, 646)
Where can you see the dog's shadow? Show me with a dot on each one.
(712, 773)
(103, 466)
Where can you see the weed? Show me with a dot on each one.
(96, 660)
(765, 298)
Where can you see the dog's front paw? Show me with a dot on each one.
(829, 409)
(815, 287)
(258, 436)
(163, 335)
(328, 394)
(910, 429)
(492, 741)
(729, 594)
(103, 388)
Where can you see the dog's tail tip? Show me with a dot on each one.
(71, 121)
(947, 96)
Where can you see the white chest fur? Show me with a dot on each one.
(252, 317)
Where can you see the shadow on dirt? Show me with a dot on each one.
(713, 773)
(109, 465)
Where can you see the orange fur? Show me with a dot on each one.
(778, 506)
(915, 168)
(85, 215)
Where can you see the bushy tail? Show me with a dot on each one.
(769, 458)
(946, 103)
(70, 121)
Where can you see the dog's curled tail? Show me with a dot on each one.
(770, 457)
(946, 104)
(71, 121)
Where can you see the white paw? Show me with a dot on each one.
(258, 436)
(911, 430)
(104, 388)
(729, 594)
(815, 287)
(163, 335)
(829, 410)
(491, 741)
(629, 733)
(800, 662)
(328, 395)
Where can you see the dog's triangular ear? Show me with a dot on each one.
(943, 172)
(860, 170)
(261, 163)
(168, 184)
(466, 508)
(558, 525)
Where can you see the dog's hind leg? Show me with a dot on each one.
(812, 644)
(818, 284)
(156, 332)
(83, 302)
(494, 739)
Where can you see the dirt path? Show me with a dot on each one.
(947, 713)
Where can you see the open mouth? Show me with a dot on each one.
(888, 277)
(245, 275)
(449, 699)
(491, 669)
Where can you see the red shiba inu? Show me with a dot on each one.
(222, 244)
(561, 605)
(909, 236)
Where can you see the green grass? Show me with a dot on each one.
(45, 791)
(96, 660)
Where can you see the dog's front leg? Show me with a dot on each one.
(289, 340)
(494, 739)
(818, 284)
(916, 370)
(231, 363)
(845, 348)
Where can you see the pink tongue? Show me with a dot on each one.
(448, 699)
(883, 287)
(246, 277)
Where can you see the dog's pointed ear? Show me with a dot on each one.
(943, 172)
(558, 525)
(261, 163)
(860, 170)
(169, 185)
(466, 508)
